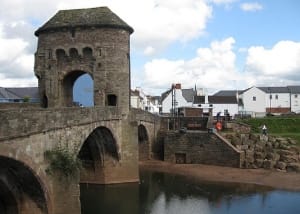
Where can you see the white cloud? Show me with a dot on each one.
(15, 61)
(149, 51)
(253, 6)
(281, 60)
(215, 68)
(211, 68)
(159, 23)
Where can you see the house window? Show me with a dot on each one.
(296, 95)
(270, 96)
(254, 98)
(276, 96)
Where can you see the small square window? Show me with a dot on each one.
(276, 96)
(254, 98)
(296, 95)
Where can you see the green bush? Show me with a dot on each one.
(26, 99)
(63, 161)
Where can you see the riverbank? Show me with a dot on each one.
(275, 179)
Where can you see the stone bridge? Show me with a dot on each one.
(105, 137)
(105, 140)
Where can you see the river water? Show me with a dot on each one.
(160, 193)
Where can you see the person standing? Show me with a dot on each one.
(264, 129)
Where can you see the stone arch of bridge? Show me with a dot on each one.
(99, 150)
(23, 186)
(68, 84)
(142, 134)
(144, 143)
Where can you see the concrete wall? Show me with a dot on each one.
(200, 148)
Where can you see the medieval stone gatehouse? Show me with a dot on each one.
(74, 42)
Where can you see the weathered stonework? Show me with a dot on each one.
(265, 151)
(104, 138)
(197, 147)
(75, 42)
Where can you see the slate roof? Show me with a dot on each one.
(222, 100)
(90, 17)
(216, 99)
(19, 93)
(228, 93)
(188, 94)
(294, 89)
(6, 94)
(274, 89)
(199, 99)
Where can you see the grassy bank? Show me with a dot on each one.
(279, 126)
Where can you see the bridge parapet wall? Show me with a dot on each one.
(141, 115)
(22, 122)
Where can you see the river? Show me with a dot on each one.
(161, 193)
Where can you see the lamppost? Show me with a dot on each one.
(270, 97)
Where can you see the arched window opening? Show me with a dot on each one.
(112, 100)
(87, 52)
(83, 91)
(73, 52)
(60, 55)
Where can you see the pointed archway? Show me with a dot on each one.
(98, 154)
(82, 90)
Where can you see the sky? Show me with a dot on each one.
(213, 44)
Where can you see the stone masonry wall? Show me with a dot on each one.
(23, 122)
(109, 65)
(197, 147)
(19, 105)
(30, 149)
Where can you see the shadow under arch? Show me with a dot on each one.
(98, 151)
(20, 189)
(143, 140)
(68, 86)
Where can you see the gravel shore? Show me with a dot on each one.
(275, 179)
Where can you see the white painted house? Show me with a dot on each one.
(180, 97)
(258, 101)
(295, 98)
(140, 100)
(253, 102)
